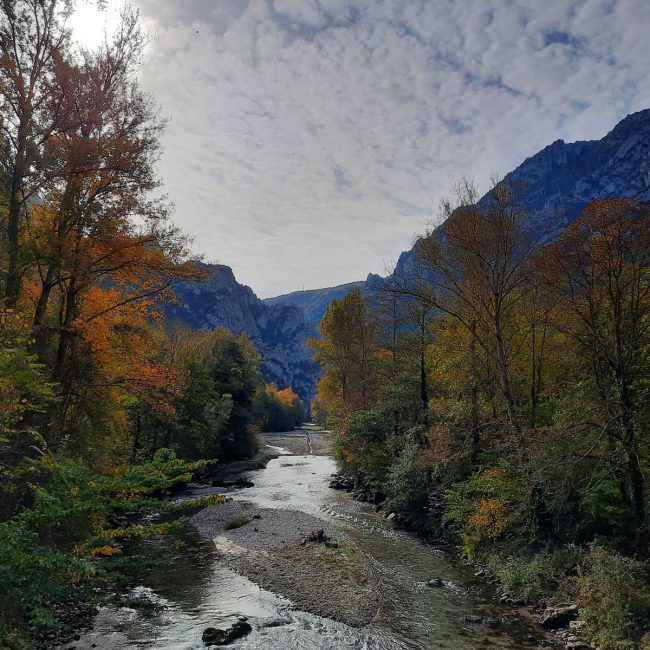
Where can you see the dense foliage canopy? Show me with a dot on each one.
(498, 396)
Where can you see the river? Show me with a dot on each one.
(195, 590)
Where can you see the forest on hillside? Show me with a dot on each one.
(497, 396)
(104, 404)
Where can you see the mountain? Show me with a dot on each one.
(563, 177)
(558, 182)
(279, 331)
(314, 302)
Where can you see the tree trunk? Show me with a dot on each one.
(39, 331)
(504, 377)
(12, 286)
(54, 266)
(637, 480)
(474, 411)
(424, 391)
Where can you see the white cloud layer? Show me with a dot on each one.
(311, 139)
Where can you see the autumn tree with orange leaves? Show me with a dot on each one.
(278, 410)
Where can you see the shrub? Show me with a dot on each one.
(614, 598)
(50, 552)
(407, 487)
(541, 576)
(33, 576)
(361, 448)
(486, 506)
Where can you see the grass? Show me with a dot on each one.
(347, 561)
(237, 522)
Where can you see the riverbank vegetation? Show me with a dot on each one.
(496, 395)
(105, 407)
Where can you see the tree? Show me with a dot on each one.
(234, 368)
(474, 268)
(347, 347)
(32, 36)
(84, 233)
(598, 273)
(277, 410)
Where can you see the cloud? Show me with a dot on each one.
(311, 139)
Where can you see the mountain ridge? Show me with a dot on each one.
(314, 302)
(279, 331)
(560, 180)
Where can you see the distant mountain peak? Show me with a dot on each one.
(559, 181)
(314, 302)
(279, 332)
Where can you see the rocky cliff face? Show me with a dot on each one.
(564, 177)
(559, 181)
(314, 302)
(279, 331)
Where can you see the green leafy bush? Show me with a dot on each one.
(52, 550)
(408, 481)
(614, 598)
(547, 574)
(361, 447)
(34, 575)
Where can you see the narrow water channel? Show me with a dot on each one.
(196, 591)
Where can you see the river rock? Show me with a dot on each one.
(435, 582)
(557, 616)
(341, 483)
(222, 636)
(472, 618)
(238, 483)
(276, 622)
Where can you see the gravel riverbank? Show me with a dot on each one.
(327, 576)
(282, 552)
(301, 442)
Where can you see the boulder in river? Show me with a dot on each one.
(223, 635)
(472, 618)
(559, 615)
(318, 536)
(435, 582)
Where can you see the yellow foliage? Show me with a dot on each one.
(104, 551)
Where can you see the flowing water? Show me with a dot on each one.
(196, 591)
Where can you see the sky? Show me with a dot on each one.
(310, 141)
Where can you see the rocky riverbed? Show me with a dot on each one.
(290, 562)
(282, 551)
(313, 563)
